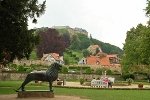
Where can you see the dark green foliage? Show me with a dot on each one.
(20, 68)
(109, 72)
(126, 76)
(84, 41)
(84, 67)
(75, 43)
(136, 48)
(88, 70)
(68, 56)
(29, 70)
(147, 9)
(76, 58)
(64, 69)
(26, 68)
(108, 48)
(73, 55)
(99, 71)
(62, 31)
(16, 41)
(86, 53)
(33, 66)
(81, 80)
(13, 66)
(72, 67)
(66, 60)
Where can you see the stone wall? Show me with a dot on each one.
(13, 76)
(29, 62)
(22, 76)
(85, 76)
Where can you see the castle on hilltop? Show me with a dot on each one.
(72, 30)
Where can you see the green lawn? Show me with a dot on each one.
(7, 87)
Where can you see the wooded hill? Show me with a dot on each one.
(80, 41)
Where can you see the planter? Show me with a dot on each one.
(81, 81)
(129, 81)
(140, 86)
(36, 81)
(59, 82)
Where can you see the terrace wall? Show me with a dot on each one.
(21, 76)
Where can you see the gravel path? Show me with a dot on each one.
(60, 97)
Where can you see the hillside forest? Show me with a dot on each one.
(60, 41)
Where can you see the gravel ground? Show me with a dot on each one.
(14, 97)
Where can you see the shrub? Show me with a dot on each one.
(81, 81)
(73, 55)
(29, 70)
(126, 76)
(85, 67)
(99, 71)
(32, 66)
(129, 80)
(88, 70)
(66, 60)
(64, 69)
(109, 72)
(20, 68)
(76, 58)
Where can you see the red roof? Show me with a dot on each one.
(91, 59)
(96, 60)
(104, 61)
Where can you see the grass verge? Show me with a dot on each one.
(7, 87)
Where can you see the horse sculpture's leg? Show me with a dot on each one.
(28, 79)
(50, 85)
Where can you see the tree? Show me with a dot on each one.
(16, 41)
(86, 53)
(51, 42)
(75, 43)
(147, 9)
(85, 42)
(64, 32)
(134, 48)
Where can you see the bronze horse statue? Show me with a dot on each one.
(50, 75)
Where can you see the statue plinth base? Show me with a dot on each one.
(35, 93)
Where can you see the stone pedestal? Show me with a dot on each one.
(35, 93)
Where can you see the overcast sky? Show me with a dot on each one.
(106, 20)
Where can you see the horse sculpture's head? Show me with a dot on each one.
(56, 65)
(53, 70)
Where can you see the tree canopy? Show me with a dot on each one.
(51, 42)
(16, 41)
(136, 47)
